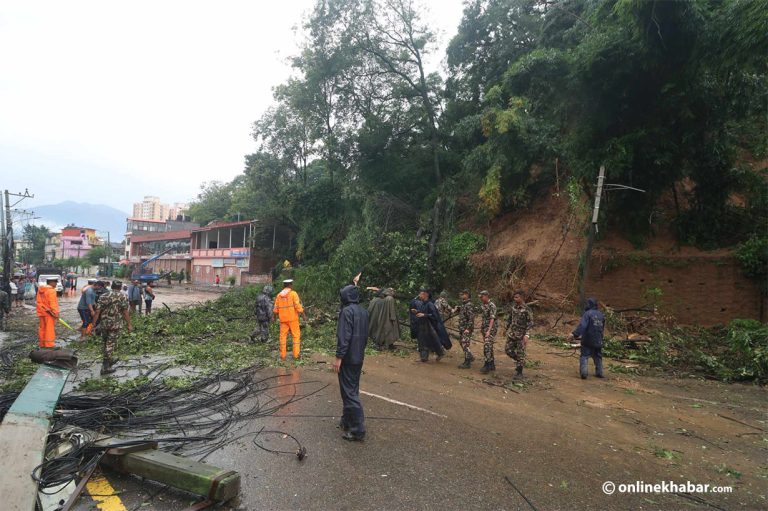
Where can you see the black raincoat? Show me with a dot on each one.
(352, 328)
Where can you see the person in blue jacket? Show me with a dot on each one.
(590, 332)
(351, 338)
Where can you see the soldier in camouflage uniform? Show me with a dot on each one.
(443, 307)
(519, 324)
(466, 325)
(113, 310)
(5, 307)
(264, 314)
(488, 328)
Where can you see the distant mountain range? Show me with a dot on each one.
(98, 216)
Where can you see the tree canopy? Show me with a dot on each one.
(366, 144)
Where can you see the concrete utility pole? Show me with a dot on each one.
(593, 230)
(7, 228)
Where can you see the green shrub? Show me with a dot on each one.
(753, 258)
(455, 252)
(747, 356)
(736, 353)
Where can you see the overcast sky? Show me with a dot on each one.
(105, 101)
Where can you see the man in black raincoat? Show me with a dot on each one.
(413, 308)
(351, 338)
(432, 334)
(590, 331)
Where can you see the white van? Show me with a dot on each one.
(42, 279)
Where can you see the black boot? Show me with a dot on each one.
(519, 372)
(467, 364)
(488, 367)
(106, 368)
(352, 437)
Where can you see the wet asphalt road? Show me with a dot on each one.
(412, 459)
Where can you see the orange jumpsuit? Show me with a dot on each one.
(48, 312)
(287, 309)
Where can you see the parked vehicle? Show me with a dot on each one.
(42, 278)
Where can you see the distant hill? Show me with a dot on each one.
(98, 216)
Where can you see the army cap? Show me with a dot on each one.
(116, 284)
(484, 292)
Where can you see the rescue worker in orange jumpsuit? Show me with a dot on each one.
(287, 308)
(48, 312)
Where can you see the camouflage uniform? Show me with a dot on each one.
(519, 323)
(5, 307)
(443, 307)
(488, 314)
(264, 316)
(466, 326)
(112, 306)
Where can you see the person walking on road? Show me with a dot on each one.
(488, 328)
(48, 314)
(351, 338)
(14, 292)
(466, 313)
(288, 308)
(113, 311)
(264, 314)
(134, 296)
(590, 331)
(21, 285)
(86, 307)
(181, 276)
(519, 323)
(149, 296)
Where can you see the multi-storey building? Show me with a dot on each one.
(150, 209)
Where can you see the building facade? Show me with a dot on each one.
(173, 245)
(150, 209)
(177, 210)
(53, 247)
(77, 241)
(141, 227)
(230, 251)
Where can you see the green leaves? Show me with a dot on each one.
(490, 193)
(753, 258)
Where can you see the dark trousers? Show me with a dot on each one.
(148, 306)
(352, 417)
(597, 356)
(428, 341)
(85, 316)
